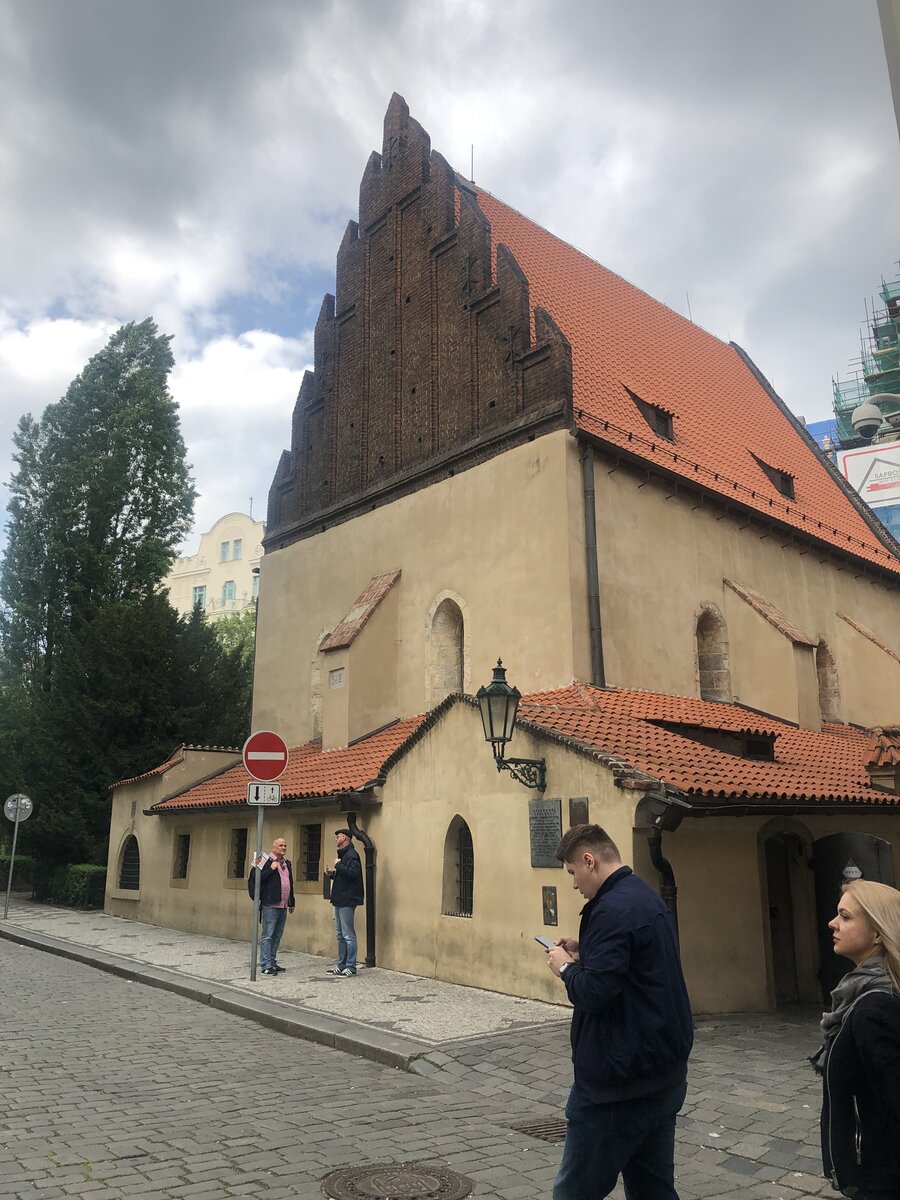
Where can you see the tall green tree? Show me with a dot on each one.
(99, 676)
(99, 502)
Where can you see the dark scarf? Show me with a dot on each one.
(869, 977)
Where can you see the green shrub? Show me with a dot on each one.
(23, 872)
(78, 885)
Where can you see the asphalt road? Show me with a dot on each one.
(113, 1089)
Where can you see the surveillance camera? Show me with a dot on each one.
(866, 420)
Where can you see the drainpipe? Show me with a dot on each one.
(369, 847)
(586, 454)
(668, 889)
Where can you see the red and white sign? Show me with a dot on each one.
(874, 471)
(265, 756)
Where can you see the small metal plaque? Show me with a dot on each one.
(397, 1181)
(578, 810)
(544, 831)
(548, 899)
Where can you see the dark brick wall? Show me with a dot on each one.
(424, 360)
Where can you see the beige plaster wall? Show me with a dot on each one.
(208, 901)
(451, 772)
(493, 535)
(662, 555)
(871, 690)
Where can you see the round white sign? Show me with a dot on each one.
(18, 806)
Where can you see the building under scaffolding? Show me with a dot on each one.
(872, 465)
(877, 371)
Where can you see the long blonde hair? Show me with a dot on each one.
(881, 907)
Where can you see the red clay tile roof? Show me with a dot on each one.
(623, 340)
(311, 771)
(351, 626)
(884, 748)
(808, 766)
(772, 614)
(873, 637)
(624, 729)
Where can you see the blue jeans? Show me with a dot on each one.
(634, 1138)
(273, 920)
(346, 938)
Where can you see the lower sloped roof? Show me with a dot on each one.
(809, 766)
(311, 771)
(631, 732)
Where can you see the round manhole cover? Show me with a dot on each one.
(396, 1181)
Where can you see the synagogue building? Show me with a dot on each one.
(506, 450)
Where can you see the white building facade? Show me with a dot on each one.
(223, 576)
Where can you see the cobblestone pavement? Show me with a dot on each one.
(114, 1090)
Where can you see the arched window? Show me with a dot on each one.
(459, 870)
(446, 652)
(130, 866)
(829, 686)
(712, 655)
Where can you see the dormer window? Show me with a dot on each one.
(751, 744)
(659, 419)
(782, 480)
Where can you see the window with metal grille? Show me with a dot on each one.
(459, 870)
(130, 868)
(310, 852)
(182, 856)
(237, 858)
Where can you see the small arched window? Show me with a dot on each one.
(130, 866)
(459, 870)
(712, 655)
(446, 651)
(829, 685)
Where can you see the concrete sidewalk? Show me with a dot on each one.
(383, 1015)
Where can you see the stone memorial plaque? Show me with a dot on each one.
(548, 899)
(544, 831)
(578, 810)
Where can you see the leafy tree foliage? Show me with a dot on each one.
(100, 500)
(99, 676)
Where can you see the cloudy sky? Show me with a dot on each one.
(197, 161)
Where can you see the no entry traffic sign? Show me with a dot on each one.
(265, 756)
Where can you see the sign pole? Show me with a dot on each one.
(12, 859)
(265, 757)
(259, 834)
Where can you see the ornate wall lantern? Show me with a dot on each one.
(499, 702)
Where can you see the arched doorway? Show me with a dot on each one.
(786, 848)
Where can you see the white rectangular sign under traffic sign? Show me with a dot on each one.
(264, 793)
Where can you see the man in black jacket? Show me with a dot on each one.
(346, 896)
(631, 1029)
(276, 900)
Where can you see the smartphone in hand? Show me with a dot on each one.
(545, 942)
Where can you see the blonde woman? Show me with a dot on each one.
(860, 1058)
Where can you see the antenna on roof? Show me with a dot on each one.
(472, 167)
(251, 506)
(687, 297)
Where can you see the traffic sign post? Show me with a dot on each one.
(17, 808)
(265, 756)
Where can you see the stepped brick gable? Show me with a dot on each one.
(427, 359)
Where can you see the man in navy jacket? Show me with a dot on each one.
(631, 1029)
(346, 897)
